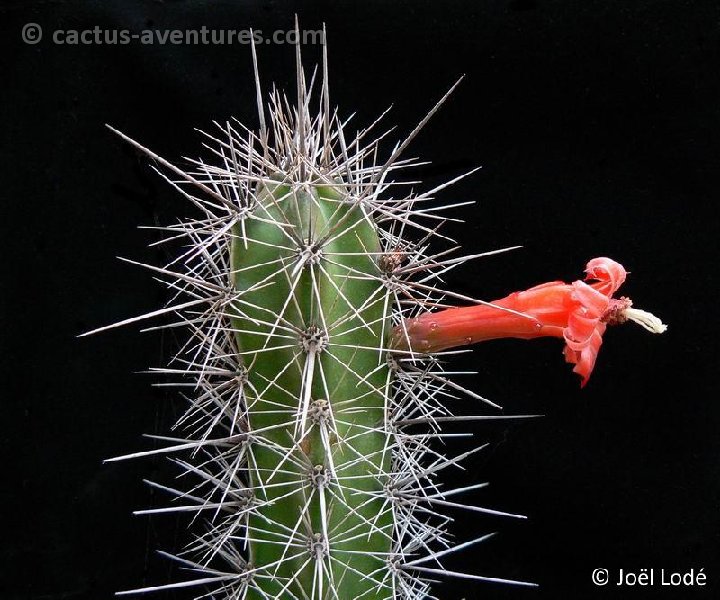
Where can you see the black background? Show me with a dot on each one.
(597, 126)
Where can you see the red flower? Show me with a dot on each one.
(578, 312)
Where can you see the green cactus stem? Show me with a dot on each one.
(312, 344)
(318, 327)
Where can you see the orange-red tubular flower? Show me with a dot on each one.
(578, 312)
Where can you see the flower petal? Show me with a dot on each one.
(609, 274)
(584, 360)
(593, 301)
(579, 331)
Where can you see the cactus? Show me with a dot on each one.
(305, 282)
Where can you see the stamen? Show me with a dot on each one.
(645, 319)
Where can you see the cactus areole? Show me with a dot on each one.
(311, 292)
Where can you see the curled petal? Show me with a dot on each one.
(579, 331)
(593, 301)
(584, 359)
(609, 274)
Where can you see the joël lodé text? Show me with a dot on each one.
(663, 577)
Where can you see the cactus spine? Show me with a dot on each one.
(302, 430)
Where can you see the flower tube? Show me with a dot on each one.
(577, 312)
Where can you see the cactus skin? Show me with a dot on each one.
(308, 447)
(303, 432)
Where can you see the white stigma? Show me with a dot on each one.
(647, 320)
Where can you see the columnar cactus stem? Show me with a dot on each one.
(315, 394)
(314, 308)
